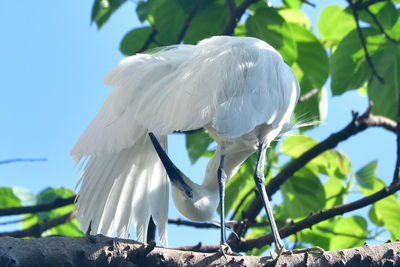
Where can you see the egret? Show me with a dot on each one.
(238, 89)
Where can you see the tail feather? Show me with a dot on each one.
(126, 187)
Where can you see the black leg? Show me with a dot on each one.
(174, 174)
(221, 183)
(260, 183)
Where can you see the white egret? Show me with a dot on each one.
(238, 89)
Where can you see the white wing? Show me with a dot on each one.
(124, 187)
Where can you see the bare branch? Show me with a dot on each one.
(259, 242)
(59, 202)
(364, 45)
(105, 251)
(37, 229)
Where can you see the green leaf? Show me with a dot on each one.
(240, 185)
(384, 96)
(310, 109)
(349, 233)
(311, 56)
(26, 196)
(386, 13)
(169, 17)
(348, 66)
(295, 16)
(135, 40)
(69, 229)
(8, 199)
(303, 193)
(196, 144)
(320, 234)
(142, 10)
(335, 192)
(103, 9)
(268, 25)
(209, 21)
(330, 162)
(293, 4)
(386, 212)
(366, 178)
(334, 23)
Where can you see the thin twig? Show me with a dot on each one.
(363, 43)
(188, 20)
(359, 5)
(59, 202)
(397, 167)
(149, 40)
(379, 25)
(237, 14)
(37, 229)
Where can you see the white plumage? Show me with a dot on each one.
(238, 88)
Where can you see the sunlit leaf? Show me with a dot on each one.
(349, 232)
(334, 23)
(196, 144)
(303, 193)
(8, 198)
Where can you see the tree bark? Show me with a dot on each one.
(100, 250)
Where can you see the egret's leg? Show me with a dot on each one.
(221, 182)
(174, 174)
(260, 183)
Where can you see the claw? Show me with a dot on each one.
(225, 249)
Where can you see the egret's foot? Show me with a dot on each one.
(225, 249)
(317, 250)
(275, 254)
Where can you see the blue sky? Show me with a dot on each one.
(53, 62)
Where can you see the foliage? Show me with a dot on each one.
(338, 52)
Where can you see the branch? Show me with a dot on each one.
(235, 15)
(150, 39)
(37, 229)
(104, 251)
(246, 245)
(59, 202)
(364, 45)
(188, 20)
(359, 5)
(379, 25)
(358, 124)
(397, 167)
